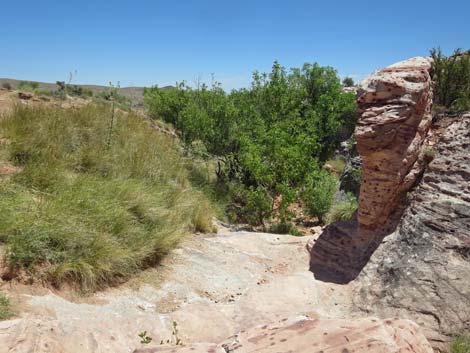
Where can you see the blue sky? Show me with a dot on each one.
(160, 42)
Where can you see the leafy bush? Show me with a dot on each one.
(318, 194)
(86, 211)
(460, 344)
(451, 76)
(343, 210)
(5, 307)
(268, 138)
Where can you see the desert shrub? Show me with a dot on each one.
(28, 85)
(89, 212)
(6, 311)
(284, 228)
(348, 82)
(112, 95)
(43, 92)
(451, 76)
(318, 193)
(79, 91)
(7, 86)
(343, 210)
(337, 164)
(266, 139)
(460, 344)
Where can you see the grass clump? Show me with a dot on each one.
(86, 211)
(460, 344)
(284, 228)
(6, 311)
(344, 210)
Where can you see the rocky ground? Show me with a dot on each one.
(233, 284)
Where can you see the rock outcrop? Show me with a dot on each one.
(408, 251)
(317, 335)
(422, 271)
(394, 107)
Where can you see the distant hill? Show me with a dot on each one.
(136, 94)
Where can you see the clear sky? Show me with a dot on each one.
(160, 42)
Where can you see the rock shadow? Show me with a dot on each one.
(343, 249)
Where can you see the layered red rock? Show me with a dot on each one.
(394, 105)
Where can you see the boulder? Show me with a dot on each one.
(394, 107)
(25, 95)
(422, 271)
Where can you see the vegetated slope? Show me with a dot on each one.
(98, 195)
(135, 94)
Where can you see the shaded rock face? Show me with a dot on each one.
(422, 271)
(394, 106)
(313, 335)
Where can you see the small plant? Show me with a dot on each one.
(429, 153)
(336, 164)
(7, 86)
(318, 194)
(144, 339)
(460, 344)
(178, 341)
(5, 307)
(344, 210)
(284, 228)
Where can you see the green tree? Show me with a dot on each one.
(348, 81)
(451, 76)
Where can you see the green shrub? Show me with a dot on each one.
(266, 138)
(284, 228)
(337, 164)
(451, 76)
(318, 194)
(343, 210)
(88, 212)
(28, 85)
(6, 311)
(460, 344)
(429, 153)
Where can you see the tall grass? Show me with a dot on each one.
(88, 212)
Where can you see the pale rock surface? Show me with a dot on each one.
(213, 287)
(306, 335)
(223, 291)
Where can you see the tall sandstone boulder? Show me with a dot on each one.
(394, 117)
